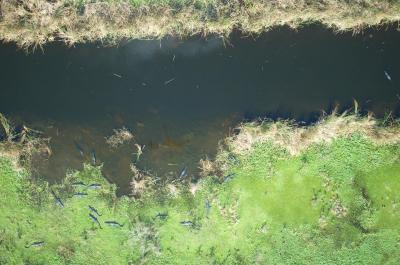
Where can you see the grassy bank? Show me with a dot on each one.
(37, 22)
(276, 194)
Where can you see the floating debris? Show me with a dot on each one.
(119, 137)
(388, 76)
(169, 81)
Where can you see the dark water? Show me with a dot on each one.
(180, 97)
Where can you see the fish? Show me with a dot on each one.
(94, 158)
(91, 208)
(58, 200)
(186, 223)
(162, 216)
(35, 244)
(183, 173)
(94, 186)
(80, 194)
(78, 184)
(229, 177)
(207, 206)
(388, 76)
(94, 219)
(80, 149)
(113, 224)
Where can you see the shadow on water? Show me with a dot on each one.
(180, 97)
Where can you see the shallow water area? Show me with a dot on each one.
(180, 97)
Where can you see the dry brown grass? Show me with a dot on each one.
(295, 139)
(141, 182)
(32, 23)
(119, 137)
(19, 147)
(207, 167)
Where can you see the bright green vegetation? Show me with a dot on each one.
(31, 23)
(334, 203)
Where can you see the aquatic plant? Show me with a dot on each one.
(329, 200)
(34, 23)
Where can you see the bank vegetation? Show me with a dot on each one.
(31, 23)
(277, 193)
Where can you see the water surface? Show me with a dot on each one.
(180, 97)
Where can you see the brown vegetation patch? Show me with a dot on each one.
(36, 22)
(294, 138)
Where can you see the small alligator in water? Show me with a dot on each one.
(228, 177)
(94, 186)
(162, 216)
(80, 194)
(91, 208)
(35, 244)
(183, 173)
(78, 184)
(208, 207)
(113, 224)
(58, 200)
(80, 149)
(186, 223)
(94, 158)
(94, 219)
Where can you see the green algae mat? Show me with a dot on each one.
(330, 202)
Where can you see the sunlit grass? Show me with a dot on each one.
(331, 202)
